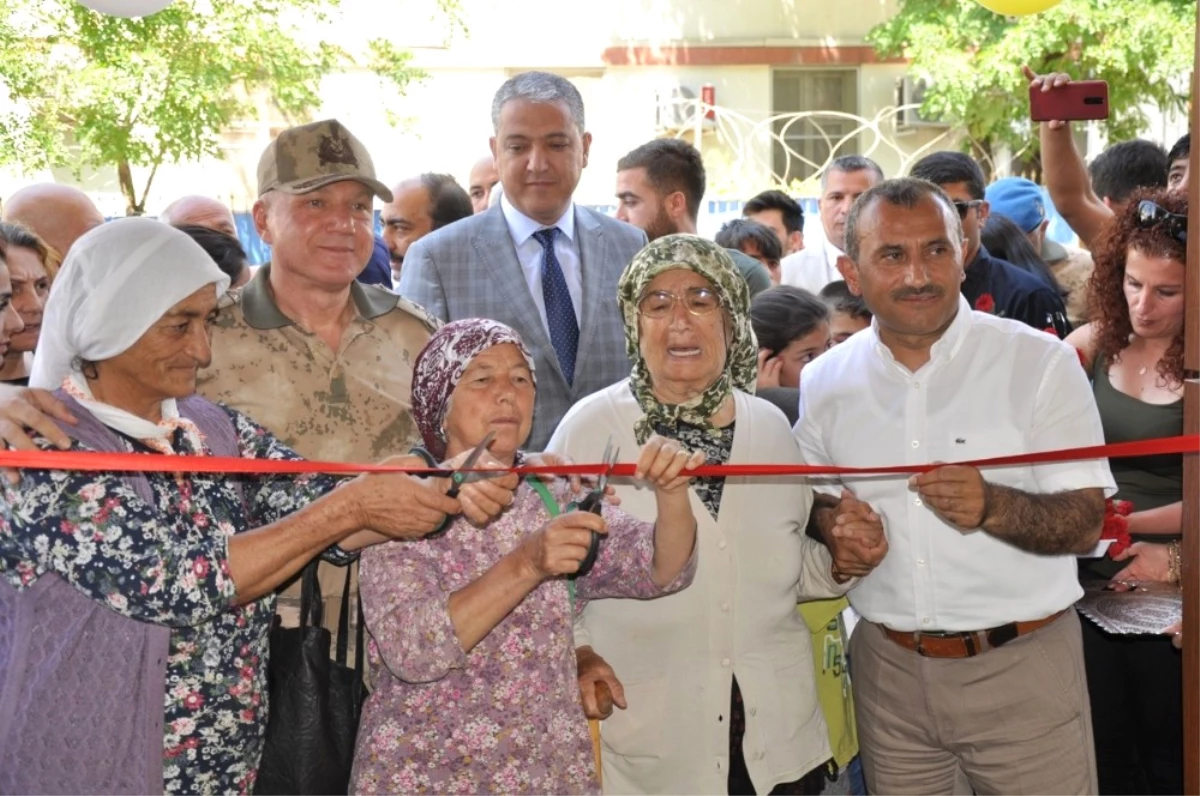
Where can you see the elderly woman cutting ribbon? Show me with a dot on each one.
(470, 632)
(135, 608)
(718, 678)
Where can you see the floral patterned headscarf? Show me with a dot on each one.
(741, 358)
(441, 364)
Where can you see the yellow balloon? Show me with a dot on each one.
(1018, 8)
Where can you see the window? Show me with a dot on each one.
(811, 138)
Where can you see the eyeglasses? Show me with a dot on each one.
(696, 300)
(1151, 214)
(964, 207)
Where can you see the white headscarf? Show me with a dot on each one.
(117, 281)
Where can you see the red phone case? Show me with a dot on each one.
(1082, 100)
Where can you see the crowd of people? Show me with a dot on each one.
(731, 634)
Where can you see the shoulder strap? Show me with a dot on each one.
(214, 423)
(545, 494)
(99, 437)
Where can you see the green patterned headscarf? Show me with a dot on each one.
(741, 359)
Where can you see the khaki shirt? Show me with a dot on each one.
(350, 405)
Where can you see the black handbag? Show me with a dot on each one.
(315, 703)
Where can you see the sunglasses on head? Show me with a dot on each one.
(1151, 214)
(964, 207)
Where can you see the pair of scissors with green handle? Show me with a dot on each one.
(464, 474)
(592, 502)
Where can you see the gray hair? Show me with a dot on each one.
(850, 163)
(540, 87)
(900, 192)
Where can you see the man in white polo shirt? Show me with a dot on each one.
(968, 669)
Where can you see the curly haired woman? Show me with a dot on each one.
(1134, 353)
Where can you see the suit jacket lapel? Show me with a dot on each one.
(593, 253)
(494, 248)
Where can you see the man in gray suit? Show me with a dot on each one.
(536, 260)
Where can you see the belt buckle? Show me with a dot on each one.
(940, 633)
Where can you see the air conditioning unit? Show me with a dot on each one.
(911, 92)
(676, 109)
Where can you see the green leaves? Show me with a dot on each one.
(87, 89)
(972, 59)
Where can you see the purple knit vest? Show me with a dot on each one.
(82, 688)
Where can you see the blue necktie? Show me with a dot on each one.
(560, 312)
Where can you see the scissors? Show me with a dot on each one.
(592, 503)
(465, 475)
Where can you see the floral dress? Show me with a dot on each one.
(505, 717)
(167, 563)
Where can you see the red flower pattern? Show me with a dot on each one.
(985, 303)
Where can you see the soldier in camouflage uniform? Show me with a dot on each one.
(322, 361)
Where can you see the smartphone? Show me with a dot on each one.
(1082, 100)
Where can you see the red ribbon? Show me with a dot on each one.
(139, 462)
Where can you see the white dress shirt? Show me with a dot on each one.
(992, 387)
(811, 268)
(530, 254)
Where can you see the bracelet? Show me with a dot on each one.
(1174, 565)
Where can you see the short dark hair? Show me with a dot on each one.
(944, 168)
(735, 232)
(839, 298)
(899, 192)
(789, 209)
(225, 250)
(850, 163)
(783, 314)
(671, 165)
(1181, 149)
(1123, 168)
(448, 202)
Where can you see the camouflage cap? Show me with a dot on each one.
(308, 157)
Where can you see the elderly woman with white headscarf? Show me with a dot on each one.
(135, 607)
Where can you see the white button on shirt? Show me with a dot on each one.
(992, 387)
(530, 253)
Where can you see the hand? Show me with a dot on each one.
(558, 547)
(1150, 562)
(484, 500)
(661, 462)
(579, 483)
(597, 680)
(1175, 631)
(957, 493)
(857, 542)
(24, 412)
(398, 505)
(1047, 82)
(769, 367)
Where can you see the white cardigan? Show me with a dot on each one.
(677, 655)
